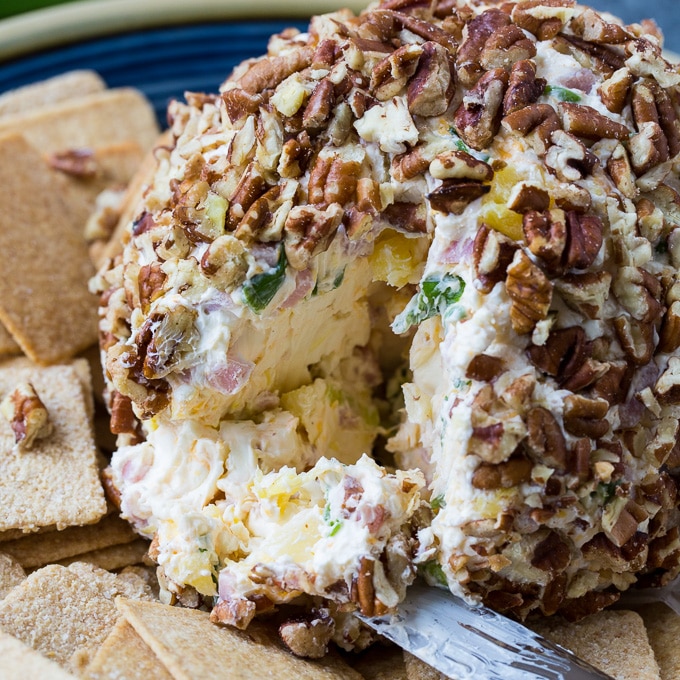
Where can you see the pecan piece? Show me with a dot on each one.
(308, 637)
(492, 253)
(524, 88)
(596, 58)
(637, 339)
(123, 419)
(320, 104)
(584, 240)
(453, 196)
(74, 162)
(505, 47)
(613, 385)
(530, 292)
(514, 471)
(365, 590)
(424, 29)
(432, 86)
(543, 18)
(545, 438)
(614, 91)
(585, 121)
(412, 163)
(309, 231)
(546, 236)
(562, 354)
(568, 158)
(477, 119)
(409, 217)
(584, 417)
(390, 75)
(590, 26)
(669, 340)
(234, 611)
(268, 72)
(552, 554)
(251, 186)
(667, 388)
(460, 165)
(539, 118)
(526, 197)
(586, 293)
(479, 30)
(150, 281)
(621, 172)
(240, 104)
(638, 291)
(484, 367)
(27, 415)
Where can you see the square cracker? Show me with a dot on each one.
(20, 662)
(50, 91)
(56, 482)
(66, 613)
(125, 656)
(7, 344)
(44, 298)
(190, 646)
(663, 628)
(108, 117)
(37, 550)
(615, 642)
(113, 556)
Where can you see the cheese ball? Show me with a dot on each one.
(444, 232)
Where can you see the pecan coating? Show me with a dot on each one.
(530, 292)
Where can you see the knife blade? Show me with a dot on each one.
(465, 641)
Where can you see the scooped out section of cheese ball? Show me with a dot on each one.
(446, 231)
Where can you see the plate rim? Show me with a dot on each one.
(85, 19)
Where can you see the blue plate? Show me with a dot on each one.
(163, 63)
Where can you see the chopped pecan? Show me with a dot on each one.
(259, 215)
(123, 419)
(432, 86)
(410, 217)
(621, 519)
(74, 162)
(453, 196)
(539, 118)
(585, 417)
(151, 279)
(320, 105)
(568, 158)
(614, 91)
(479, 30)
(530, 292)
(390, 75)
(584, 240)
(585, 292)
(27, 415)
(546, 236)
(365, 588)
(309, 231)
(636, 338)
(621, 172)
(514, 471)
(646, 60)
(234, 611)
(477, 119)
(588, 373)
(424, 29)
(368, 195)
(526, 197)
(224, 260)
(251, 186)
(545, 438)
(505, 47)
(460, 165)
(544, 18)
(585, 121)
(484, 367)
(552, 554)
(492, 253)
(562, 354)
(590, 26)
(325, 55)
(308, 637)
(639, 292)
(524, 88)
(613, 385)
(240, 104)
(411, 163)
(667, 388)
(571, 197)
(668, 200)
(268, 72)
(647, 147)
(669, 339)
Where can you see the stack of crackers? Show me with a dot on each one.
(77, 597)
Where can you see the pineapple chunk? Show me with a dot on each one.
(398, 259)
(495, 212)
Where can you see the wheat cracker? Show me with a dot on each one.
(11, 574)
(56, 482)
(663, 628)
(20, 662)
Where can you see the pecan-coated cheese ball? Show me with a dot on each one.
(449, 228)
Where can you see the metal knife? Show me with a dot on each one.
(469, 642)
